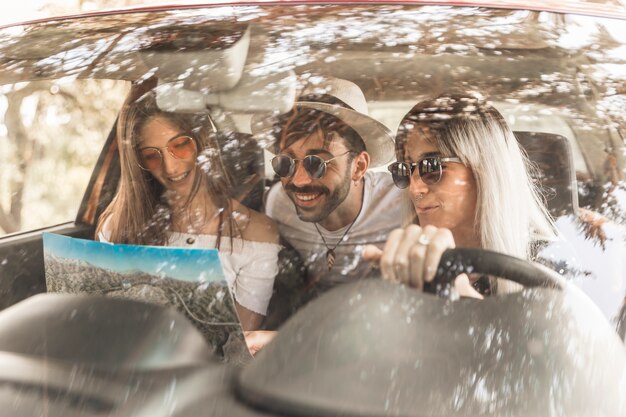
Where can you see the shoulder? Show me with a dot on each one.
(379, 180)
(385, 206)
(380, 185)
(258, 227)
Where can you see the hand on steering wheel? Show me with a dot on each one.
(411, 256)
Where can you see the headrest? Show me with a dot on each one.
(552, 155)
(243, 159)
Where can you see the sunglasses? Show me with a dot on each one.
(430, 170)
(315, 166)
(180, 147)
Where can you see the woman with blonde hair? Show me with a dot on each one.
(469, 183)
(173, 191)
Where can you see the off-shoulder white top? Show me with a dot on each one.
(250, 268)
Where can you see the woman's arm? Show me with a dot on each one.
(248, 318)
(255, 281)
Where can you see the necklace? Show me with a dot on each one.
(330, 252)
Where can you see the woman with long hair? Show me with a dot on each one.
(173, 191)
(470, 186)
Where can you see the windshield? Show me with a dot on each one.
(295, 141)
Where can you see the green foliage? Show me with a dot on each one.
(46, 167)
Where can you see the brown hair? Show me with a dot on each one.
(138, 214)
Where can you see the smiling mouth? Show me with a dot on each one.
(178, 178)
(307, 197)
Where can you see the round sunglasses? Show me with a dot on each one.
(430, 170)
(180, 147)
(315, 166)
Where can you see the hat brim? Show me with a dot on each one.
(377, 138)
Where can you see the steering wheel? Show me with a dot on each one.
(470, 260)
(416, 349)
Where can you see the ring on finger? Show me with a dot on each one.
(423, 239)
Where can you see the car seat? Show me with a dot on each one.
(243, 160)
(552, 156)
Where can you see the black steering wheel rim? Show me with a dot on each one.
(472, 260)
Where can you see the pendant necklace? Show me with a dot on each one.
(330, 252)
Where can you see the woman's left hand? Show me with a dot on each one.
(411, 256)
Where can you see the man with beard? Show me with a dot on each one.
(328, 206)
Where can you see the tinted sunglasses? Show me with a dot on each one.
(315, 166)
(430, 170)
(180, 147)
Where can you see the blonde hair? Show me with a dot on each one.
(511, 215)
(138, 214)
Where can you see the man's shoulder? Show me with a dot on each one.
(385, 204)
(381, 183)
(379, 179)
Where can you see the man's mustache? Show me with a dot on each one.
(308, 189)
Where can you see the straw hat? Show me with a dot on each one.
(377, 138)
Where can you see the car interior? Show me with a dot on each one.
(225, 63)
(246, 65)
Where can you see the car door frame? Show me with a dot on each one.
(22, 269)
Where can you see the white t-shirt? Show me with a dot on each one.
(384, 209)
(249, 270)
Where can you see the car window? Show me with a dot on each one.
(52, 134)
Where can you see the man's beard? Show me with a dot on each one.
(333, 199)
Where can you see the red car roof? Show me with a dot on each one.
(603, 8)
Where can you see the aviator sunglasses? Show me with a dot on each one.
(430, 170)
(180, 147)
(315, 166)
